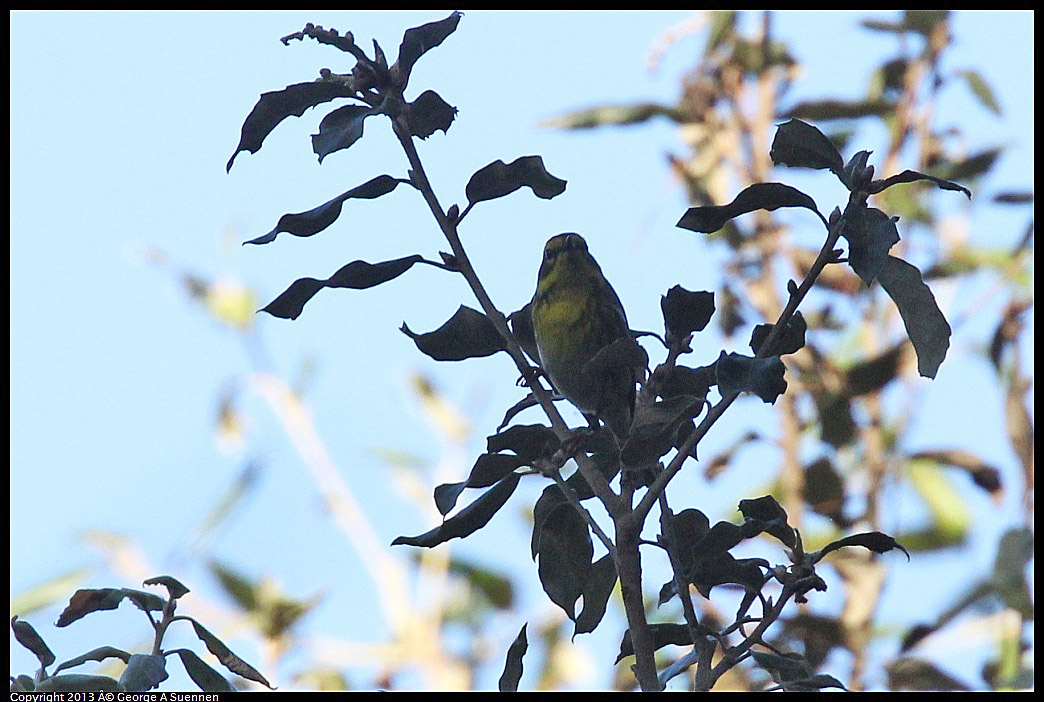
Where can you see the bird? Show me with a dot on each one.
(576, 314)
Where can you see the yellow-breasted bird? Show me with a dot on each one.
(576, 313)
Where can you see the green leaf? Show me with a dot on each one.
(467, 334)
(276, 106)
(357, 275)
(825, 110)
(417, 41)
(613, 115)
(982, 90)
(499, 179)
(429, 113)
(468, 520)
(340, 129)
(319, 218)
(925, 324)
(800, 145)
(760, 196)
(513, 665)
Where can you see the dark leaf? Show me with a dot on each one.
(225, 656)
(208, 679)
(79, 683)
(824, 490)
(98, 654)
(824, 110)
(983, 474)
(783, 669)
(416, 41)
(761, 376)
(357, 275)
(499, 179)
(468, 520)
(599, 586)
(564, 557)
(513, 665)
(799, 144)
(663, 635)
(521, 322)
(276, 106)
(655, 427)
(917, 675)
(319, 218)
(760, 196)
(791, 341)
(685, 312)
(467, 334)
(913, 176)
(764, 508)
(551, 499)
(83, 602)
(875, 373)
(925, 324)
(489, 469)
(870, 234)
(429, 113)
(340, 129)
(26, 635)
(144, 672)
(174, 588)
(874, 540)
(683, 380)
(529, 441)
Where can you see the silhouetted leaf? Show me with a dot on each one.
(521, 322)
(791, 341)
(489, 468)
(144, 672)
(513, 665)
(174, 588)
(529, 441)
(655, 427)
(909, 176)
(467, 334)
(761, 376)
(340, 129)
(799, 144)
(925, 324)
(416, 41)
(98, 654)
(225, 656)
(564, 557)
(79, 683)
(85, 601)
(429, 113)
(499, 179)
(26, 635)
(663, 635)
(760, 196)
(685, 312)
(276, 106)
(468, 520)
(357, 275)
(876, 541)
(870, 234)
(208, 679)
(319, 218)
(599, 586)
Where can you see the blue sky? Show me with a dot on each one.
(121, 125)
